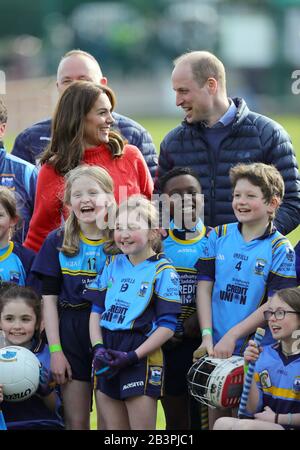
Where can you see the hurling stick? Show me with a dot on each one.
(198, 353)
(260, 332)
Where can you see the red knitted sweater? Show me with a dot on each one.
(128, 172)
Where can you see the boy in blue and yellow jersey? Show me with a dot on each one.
(244, 263)
(187, 237)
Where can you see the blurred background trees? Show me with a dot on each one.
(135, 42)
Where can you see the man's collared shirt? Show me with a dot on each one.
(228, 117)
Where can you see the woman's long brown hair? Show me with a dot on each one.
(66, 149)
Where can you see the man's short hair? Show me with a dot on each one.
(78, 52)
(3, 112)
(204, 65)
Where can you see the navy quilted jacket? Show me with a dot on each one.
(253, 138)
(32, 141)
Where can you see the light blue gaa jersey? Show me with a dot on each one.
(15, 263)
(183, 254)
(134, 297)
(244, 275)
(74, 271)
(278, 380)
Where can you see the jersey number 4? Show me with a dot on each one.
(239, 265)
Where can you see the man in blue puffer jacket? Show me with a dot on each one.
(80, 65)
(219, 132)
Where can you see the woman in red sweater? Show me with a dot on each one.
(81, 133)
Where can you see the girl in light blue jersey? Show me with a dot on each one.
(15, 260)
(135, 306)
(20, 319)
(274, 397)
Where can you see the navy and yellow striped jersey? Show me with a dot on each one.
(15, 264)
(184, 252)
(278, 380)
(136, 297)
(244, 275)
(75, 271)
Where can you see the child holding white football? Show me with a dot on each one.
(20, 319)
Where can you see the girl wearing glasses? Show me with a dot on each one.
(274, 399)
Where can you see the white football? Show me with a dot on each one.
(19, 373)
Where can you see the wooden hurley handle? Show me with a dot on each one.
(198, 353)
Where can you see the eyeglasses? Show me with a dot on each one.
(279, 314)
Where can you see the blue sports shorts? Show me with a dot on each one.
(143, 378)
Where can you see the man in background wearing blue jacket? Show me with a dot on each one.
(80, 65)
(20, 176)
(217, 133)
